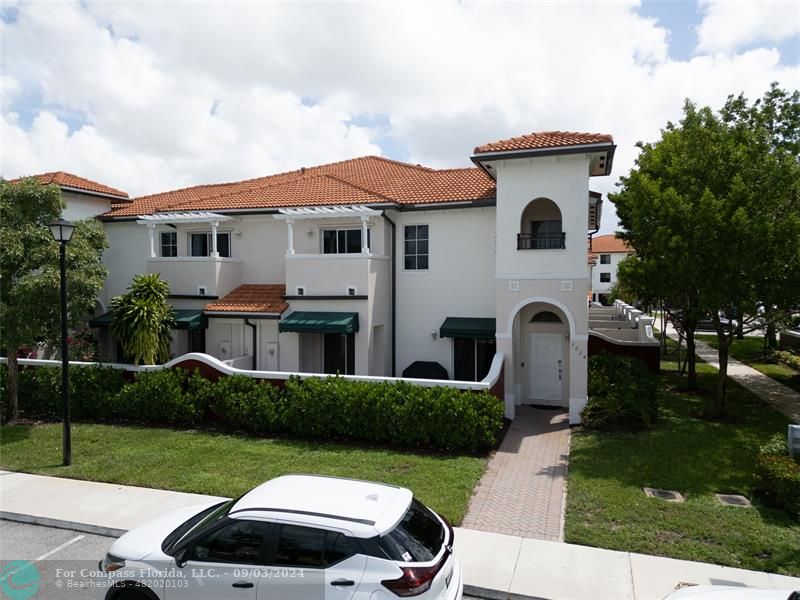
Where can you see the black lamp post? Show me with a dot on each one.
(62, 233)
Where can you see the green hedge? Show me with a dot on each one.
(330, 407)
(777, 476)
(622, 393)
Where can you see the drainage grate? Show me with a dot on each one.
(668, 495)
(733, 500)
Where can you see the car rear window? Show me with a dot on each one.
(418, 536)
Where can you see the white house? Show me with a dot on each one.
(607, 251)
(369, 265)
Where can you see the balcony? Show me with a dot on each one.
(333, 274)
(187, 274)
(541, 241)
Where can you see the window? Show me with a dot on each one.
(200, 244)
(416, 247)
(418, 536)
(545, 234)
(169, 243)
(605, 277)
(339, 353)
(605, 259)
(546, 316)
(310, 547)
(237, 542)
(472, 358)
(343, 241)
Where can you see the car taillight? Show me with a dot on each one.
(414, 581)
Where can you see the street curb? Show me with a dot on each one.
(59, 524)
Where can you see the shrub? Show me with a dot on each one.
(90, 390)
(790, 359)
(777, 476)
(156, 397)
(622, 393)
(398, 413)
(245, 403)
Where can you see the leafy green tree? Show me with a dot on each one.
(30, 303)
(712, 210)
(143, 320)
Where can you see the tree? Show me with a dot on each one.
(29, 272)
(712, 210)
(142, 320)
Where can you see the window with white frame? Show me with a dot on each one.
(605, 277)
(169, 243)
(343, 241)
(415, 251)
(605, 259)
(200, 243)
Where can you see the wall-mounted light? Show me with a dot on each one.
(310, 232)
(434, 335)
(237, 233)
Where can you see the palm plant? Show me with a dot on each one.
(142, 320)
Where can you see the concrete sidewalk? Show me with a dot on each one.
(495, 565)
(781, 397)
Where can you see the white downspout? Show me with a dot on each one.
(290, 235)
(151, 231)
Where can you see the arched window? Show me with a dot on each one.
(540, 226)
(546, 316)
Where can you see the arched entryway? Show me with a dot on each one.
(541, 331)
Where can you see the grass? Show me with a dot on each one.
(606, 506)
(228, 465)
(750, 351)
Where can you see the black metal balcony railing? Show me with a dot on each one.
(541, 241)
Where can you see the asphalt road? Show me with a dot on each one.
(62, 562)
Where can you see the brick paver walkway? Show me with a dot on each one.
(522, 491)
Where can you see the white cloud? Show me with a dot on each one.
(178, 93)
(729, 24)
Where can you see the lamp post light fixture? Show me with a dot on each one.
(62, 233)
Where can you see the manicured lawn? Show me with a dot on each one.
(750, 350)
(228, 465)
(606, 507)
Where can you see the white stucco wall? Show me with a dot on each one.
(83, 206)
(126, 256)
(599, 287)
(458, 283)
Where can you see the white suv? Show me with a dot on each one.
(297, 536)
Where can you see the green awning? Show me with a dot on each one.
(468, 327)
(191, 319)
(187, 319)
(319, 322)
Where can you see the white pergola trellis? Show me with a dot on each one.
(214, 219)
(290, 215)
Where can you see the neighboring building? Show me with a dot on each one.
(368, 265)
(83, 198)
(608, 251)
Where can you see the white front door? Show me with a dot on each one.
(546, 368)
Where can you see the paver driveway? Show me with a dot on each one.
(522, 491)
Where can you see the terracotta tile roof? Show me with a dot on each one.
(63, 179)
(252, 298)
(365, 180)
(545, 139)
(610, 243)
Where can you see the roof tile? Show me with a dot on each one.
(610, 243)
(544, 139)
(63, 179)
(252, 298)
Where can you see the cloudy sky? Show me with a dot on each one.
(150, 96)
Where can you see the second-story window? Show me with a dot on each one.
(605, 259)
(605, 277)
(547, 234)
(415, 252)
(200, 244)
(169, 243)
(343, 241)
